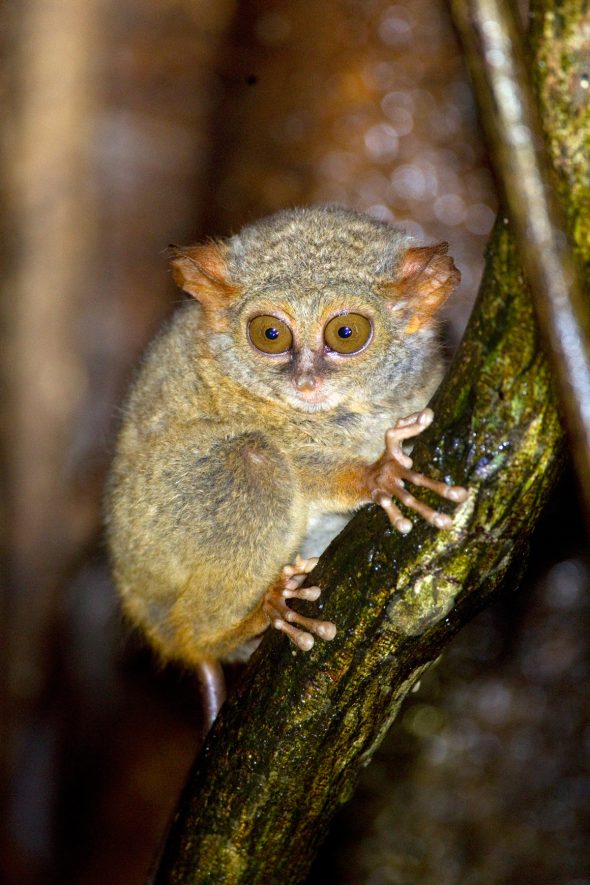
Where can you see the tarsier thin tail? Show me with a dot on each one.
(212, 686)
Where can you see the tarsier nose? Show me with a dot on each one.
(305, 382)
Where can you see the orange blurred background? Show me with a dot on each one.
(130, 126)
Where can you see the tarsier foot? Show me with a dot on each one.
(283, 618)
(390, 474)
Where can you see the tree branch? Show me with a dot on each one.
(291, 741)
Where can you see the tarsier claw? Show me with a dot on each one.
(282, 617)
(390, 474)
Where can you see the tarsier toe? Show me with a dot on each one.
(312, 594)
(294, 582)
(304, 641)
(300, 566)
(399, 521)
(442, 521)
(326, 629)
(423, 418)
(396, 517)
(403, 525)
(457, 494)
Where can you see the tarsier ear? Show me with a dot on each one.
(423, 282)
(202, 272)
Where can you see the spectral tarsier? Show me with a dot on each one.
(255, 425)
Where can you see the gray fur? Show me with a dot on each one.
(307, 244)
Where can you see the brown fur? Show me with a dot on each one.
(221, 469)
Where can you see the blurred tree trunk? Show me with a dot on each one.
(49, 216)
(51, 210)
(105, 149)
(290, 743)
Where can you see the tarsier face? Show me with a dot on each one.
(320, 307)
(309, 351)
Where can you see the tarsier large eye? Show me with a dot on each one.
(270, 334)
(347, 333)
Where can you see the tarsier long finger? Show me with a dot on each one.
(391, 472)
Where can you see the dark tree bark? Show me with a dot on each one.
(291, 741)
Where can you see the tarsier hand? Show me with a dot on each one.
(388, 476)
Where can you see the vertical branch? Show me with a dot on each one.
(496, 55)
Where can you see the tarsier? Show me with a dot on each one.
(255, 425)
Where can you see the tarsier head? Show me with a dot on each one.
(317, 307)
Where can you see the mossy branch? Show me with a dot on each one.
(291, 741)
(496, 55)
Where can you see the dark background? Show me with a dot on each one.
(132, 125)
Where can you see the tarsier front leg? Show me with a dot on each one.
(386, 479)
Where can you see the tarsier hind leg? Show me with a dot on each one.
(281, 617)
